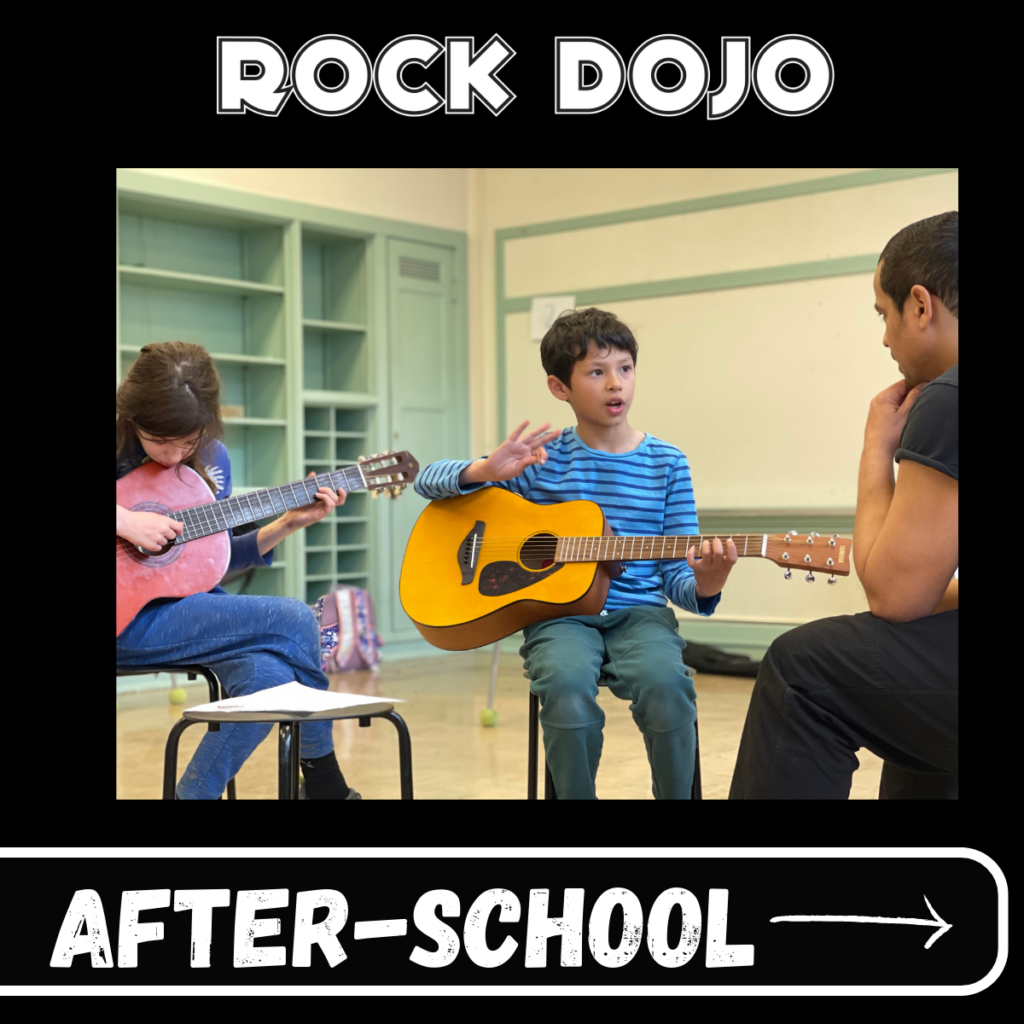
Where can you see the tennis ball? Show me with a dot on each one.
(489, 717)
(179, 695)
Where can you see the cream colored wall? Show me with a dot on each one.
(765, 388)
(434, 195)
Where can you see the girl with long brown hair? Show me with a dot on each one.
(168, 411)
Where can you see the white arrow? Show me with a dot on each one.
(935, 920)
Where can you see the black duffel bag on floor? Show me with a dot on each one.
(702, 658)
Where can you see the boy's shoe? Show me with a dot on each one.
(353, 795)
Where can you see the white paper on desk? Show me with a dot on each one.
(544, 310)
(293, 698)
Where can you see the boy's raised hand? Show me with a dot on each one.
(712, 569)
(511, 457)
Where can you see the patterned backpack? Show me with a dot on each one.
(348, 639)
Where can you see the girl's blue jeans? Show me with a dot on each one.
(251, 643)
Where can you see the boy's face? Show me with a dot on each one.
(602, 386)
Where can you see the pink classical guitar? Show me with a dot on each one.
(197, 560)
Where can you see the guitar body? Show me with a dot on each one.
(180, 569)
(462, 594)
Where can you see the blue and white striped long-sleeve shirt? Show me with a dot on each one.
(643, 492)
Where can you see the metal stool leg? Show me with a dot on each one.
(288, 761)
(404, 753)
(695, 791)
(171, 757)
(531, 781)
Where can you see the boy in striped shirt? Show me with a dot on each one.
(643, 487)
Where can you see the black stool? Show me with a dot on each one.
(288, 741)
(549, 786)
(192, 670)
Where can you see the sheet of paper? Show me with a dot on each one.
(544, 310)
(293, 697)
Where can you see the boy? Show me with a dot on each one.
(643, 487)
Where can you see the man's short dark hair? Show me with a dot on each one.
(923, 253)
(567, 340)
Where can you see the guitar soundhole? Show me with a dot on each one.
(167, 554)
(538, 551)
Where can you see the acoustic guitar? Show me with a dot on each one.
(481, 566)
(196, 560)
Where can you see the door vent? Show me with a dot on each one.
(425, 270)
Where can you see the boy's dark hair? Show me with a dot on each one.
(923, 253)
(567, 340)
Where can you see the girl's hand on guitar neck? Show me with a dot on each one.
(326, 499)
(511, 457)
(148, 530)
(295, 519)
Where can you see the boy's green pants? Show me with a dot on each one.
(639, 651)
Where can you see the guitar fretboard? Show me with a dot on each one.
(625, 549)
(202, 520)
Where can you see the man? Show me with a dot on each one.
(885, 679)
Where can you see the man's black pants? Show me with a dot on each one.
(832, 686)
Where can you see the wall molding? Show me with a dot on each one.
(831, 183)
(864, 264)
(677, 286)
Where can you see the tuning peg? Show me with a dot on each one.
(374, 493)
(793, 532)
(361, 459)
(809, 577)
(815, 534)
(788, 573)
(831, 579)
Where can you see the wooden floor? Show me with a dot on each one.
(454, 757)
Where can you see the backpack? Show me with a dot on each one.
(348, 638)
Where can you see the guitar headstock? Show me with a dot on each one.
(390, 472)
(809, 551)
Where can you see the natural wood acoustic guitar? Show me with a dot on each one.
(481, 566)
(197, 559)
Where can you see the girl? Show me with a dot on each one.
(168, 411)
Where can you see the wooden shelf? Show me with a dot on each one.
(342, 399)
(332, 325)
(227, 357)
(196, 282)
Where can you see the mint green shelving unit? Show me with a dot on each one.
(290, 301)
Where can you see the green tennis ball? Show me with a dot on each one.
(489, 717)
(179, 695)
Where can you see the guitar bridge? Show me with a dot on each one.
(469, 552)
